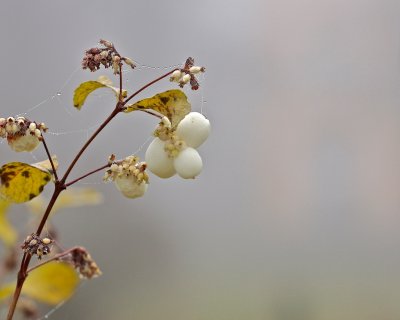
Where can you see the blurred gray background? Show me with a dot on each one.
(296, 213)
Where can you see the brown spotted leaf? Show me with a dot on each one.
(172, 103)
(21, 182)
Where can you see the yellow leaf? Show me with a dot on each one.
(172, 103)
(46, 165)
(51, 283)
(7, 232)
(6, 291)
(86, 88)
(72, 197)
(21, 182)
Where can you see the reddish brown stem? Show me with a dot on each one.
(148, 85)
(120, 98)
(50, 159)
(118, 109)
(86, 175)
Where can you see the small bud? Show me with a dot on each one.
(185, 78)
(46, 241)
(38, 133)
(111, 158)
(14, 128)
(106, 43)
(32, 126)
(43, 127)
(130, 62)
(175, 76)
(196, 69)
(104, 54)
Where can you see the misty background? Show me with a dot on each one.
(296, 213)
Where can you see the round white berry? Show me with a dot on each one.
(188, 163)
(194, 129)
(176, 75)
(186, 78)
(158, 161)
(24, 143)
(129, 187)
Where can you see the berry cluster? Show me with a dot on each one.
(105, 55)
(129, 176)
(21, 133)
(187, 74)
(174, 149)
(33, 244)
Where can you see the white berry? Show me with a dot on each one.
(158, 161)
(188, 163)
(194, 129)
(129, 187)
(24, 143)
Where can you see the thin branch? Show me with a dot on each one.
(120, 98)
(86, 175)
(152, 113)
(82, 150)
(148, 85)
(50, 159)
(55, 258)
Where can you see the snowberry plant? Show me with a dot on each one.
(173, 151)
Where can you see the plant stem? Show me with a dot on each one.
(148, 85)
(87, 174)
(118, 108)
(22, 274)
(59, 187)
(50, 158)
(56, 257)
(120, 98)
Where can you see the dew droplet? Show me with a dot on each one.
(59, 93)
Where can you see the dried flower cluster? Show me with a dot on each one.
(105, 55)
(21, 133)
(187, 74)
(82, 262)
(35, 245)
(129, 176)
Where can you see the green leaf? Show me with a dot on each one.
(86, 88)
(21, 182)
(7, 231)
(51, 283)
(172, 103)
